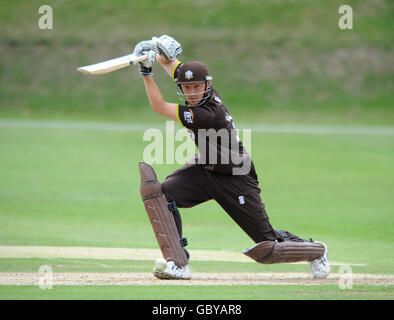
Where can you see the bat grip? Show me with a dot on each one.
(139, 59)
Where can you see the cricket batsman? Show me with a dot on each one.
(222, 170)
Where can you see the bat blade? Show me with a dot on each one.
(111, 65)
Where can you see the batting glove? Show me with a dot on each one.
(143, 46)
(145, 67)
(167, 47)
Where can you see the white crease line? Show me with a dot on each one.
(321, 129)
(198, 278)
(138, 127)
(43, 252)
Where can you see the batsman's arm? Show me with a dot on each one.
(157, 102)
(168, 65)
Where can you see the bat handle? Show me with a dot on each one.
(139, 59)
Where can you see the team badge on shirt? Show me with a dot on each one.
(188, 115)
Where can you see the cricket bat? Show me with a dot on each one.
(111, 65)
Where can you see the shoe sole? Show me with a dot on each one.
(166, 276)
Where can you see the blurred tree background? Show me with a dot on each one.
(278, 61)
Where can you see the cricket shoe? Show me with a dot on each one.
(170, 270)
(321, 267)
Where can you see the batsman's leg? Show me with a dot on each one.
(185, 188)
(239, 196)
(163, 226)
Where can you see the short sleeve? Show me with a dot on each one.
(175, 71)
(196, 117)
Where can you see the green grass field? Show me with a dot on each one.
(81, 188)
(202, 292)
(69, 163)
(272, 61)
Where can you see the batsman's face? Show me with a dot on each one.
(194, 92)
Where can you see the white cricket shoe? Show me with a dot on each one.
(321, 267)
(170, 270)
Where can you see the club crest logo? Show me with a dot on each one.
(188, 116)
(189, 75)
